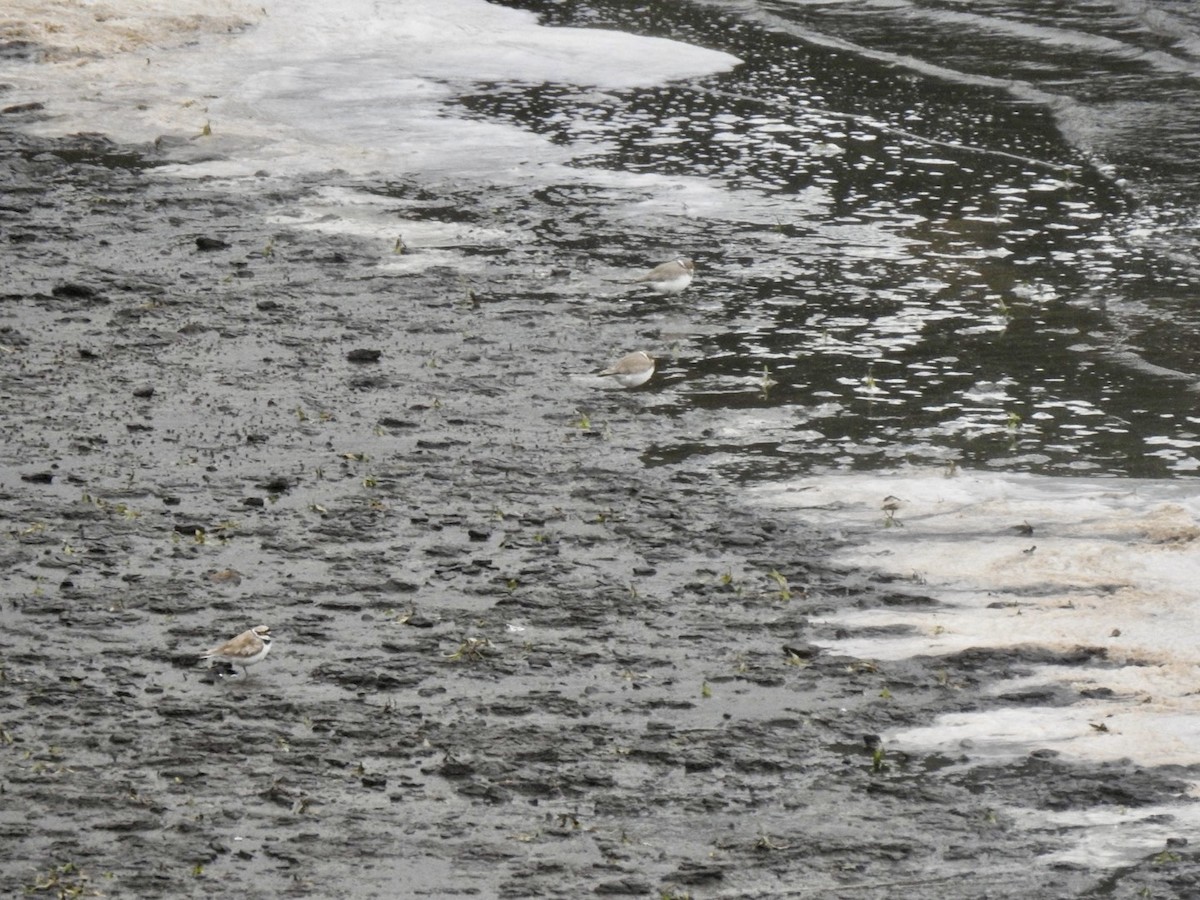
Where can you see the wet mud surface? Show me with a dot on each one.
(511, 659)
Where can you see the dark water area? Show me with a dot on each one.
(983, 249)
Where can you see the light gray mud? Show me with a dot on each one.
(512, 658)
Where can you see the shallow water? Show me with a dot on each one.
(947, 234)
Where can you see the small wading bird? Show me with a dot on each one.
(632, 370)
(245, 650)
(669, 278)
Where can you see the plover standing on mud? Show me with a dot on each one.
(246, 649)
(632, 370)
(669, 278)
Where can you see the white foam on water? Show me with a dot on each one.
(1110, 564)
(307, 84)
(1111, 835)
(248, 90)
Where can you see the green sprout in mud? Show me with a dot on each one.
(62, 882)
(369, 481)
(1165, 857)
(583, 423)
(301, 415)
(400, 248)
(198, 870)
(206, 131)
(784, 590)
(869, 378)
(470, 650)
(885, 694)
(877, 763)
(705, 690)
(512, 584)
(269, 249)
(766, 382)
(1012, 420)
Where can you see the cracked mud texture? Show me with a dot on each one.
(512, 658)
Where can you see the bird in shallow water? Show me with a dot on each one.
(631, 370)
(669, 278)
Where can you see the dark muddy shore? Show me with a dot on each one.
(512, 659)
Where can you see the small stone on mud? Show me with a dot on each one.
(71, 291)
(631, 884)
(697, 873)
(364, 355)
(454, 768)
(144, 390)
(208, 244)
